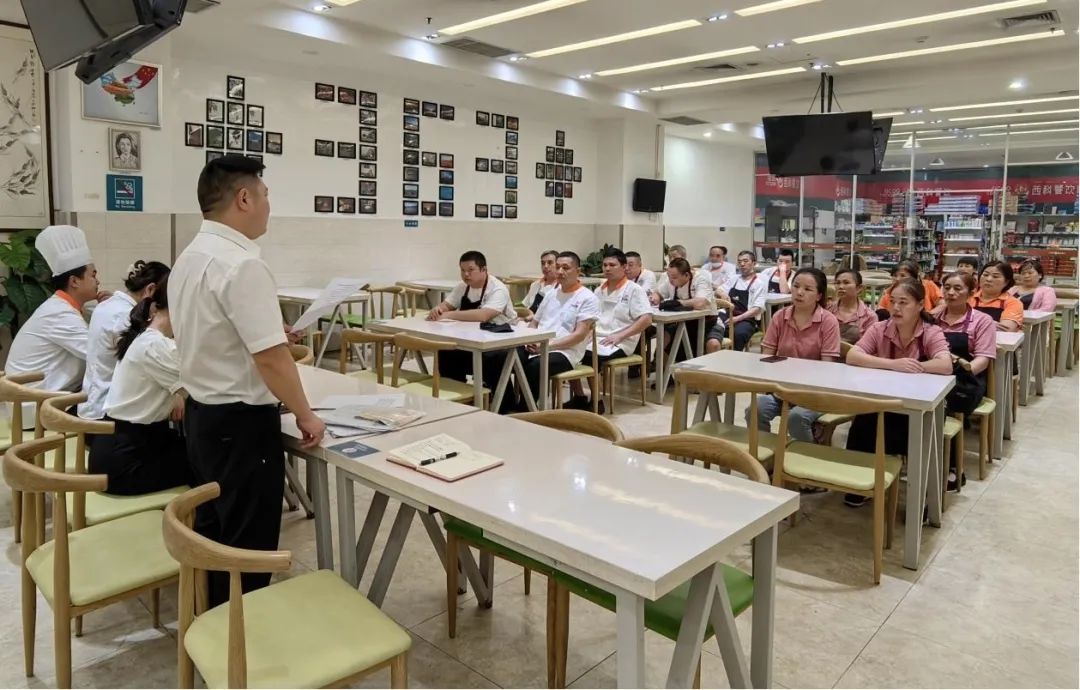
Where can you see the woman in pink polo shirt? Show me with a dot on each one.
(971, 334)
(852, 313)
(1030, 291)
(804, 330)
(908, 341)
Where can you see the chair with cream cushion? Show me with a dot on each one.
(582, 370)
(87, 569)
(381, 371)
(434, 386)
(760, 444)
(308, 631)
(663, 616)
(828, 422)
(838, 469)
(607, 374)
(301, 354)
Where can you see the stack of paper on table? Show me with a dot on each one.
(430, 457)
(353, 415)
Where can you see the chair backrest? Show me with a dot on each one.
(687, 380)
(54, 417)
(410, 298)
(403, 343)
(14, 389)
(523, 312)
(575, 421)
(378, 303)
(711, 451)
(356, 336)
(301, 354)
(1066, 293)
(845, 348)
(196, 555)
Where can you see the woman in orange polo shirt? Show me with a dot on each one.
(908, 269)
(992, 298)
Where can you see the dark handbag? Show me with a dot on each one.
(493, 328)
(673, 305)
(968, 392)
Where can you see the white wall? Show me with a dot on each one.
(708, 184)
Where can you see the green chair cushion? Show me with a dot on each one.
(102, 507)
(308, 631)
(108, 559)
(953, 426)
(664, 616)
(850, 469)
(449, 389)
(475, 536)
(627, 361)
(986, 407)
(738, 435)
(831, 419)
(579, 372)
(404, 375)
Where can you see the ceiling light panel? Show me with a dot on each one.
(725, 80)
(907, 124)
(891, 113)
(677, 61)
(342, 3)
(617, 38)
(509, 16)
(914, 21)
(1001, 116)
(772, 7)
(1002, 104)
(1026, 124)
(951, 48)
(1036, 131)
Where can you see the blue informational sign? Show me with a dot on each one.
(123, 193)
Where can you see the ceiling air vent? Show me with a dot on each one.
(718, 67)
(1029, 21)
(478, 48)
(684, 120)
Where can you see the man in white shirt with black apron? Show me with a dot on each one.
(718, 266)
(746, 292)
(235, 365)
(545, 283)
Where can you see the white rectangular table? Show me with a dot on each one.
(1067, 309)
(468, 336)
(1007, 346)
(634, 524)
(680, 339)
(440, 286)
(922, 396)
(304, 296)
(771, 300)
(1037, 325)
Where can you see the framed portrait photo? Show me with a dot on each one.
(256, 142)
(324, 147)
(429, 159)
(214, 155)
(346, 149)
(215, 137)
(368, 171)
(446, 209)
(410, 208)
(512, 123)
(369, 135)
(410, 140)
(511, 212)
(511, 167)
(254, 116)
(446, 177)
(480, 210)
(498, 120)
(369, 99)
(511, 138)
(481, 165)
(275, 142)
(410, 191)
(427, 208)
(446, 112)
(369, 118)
(234, 139)
(125, 150)
(215, 110)
(346, 204)
(410, 123)
(511, 153)
(483, 119)
(324, 204)
(194, 135)
(369, 153)
(496, 211)
(446, 160)
(496, 166)
(410, 157)
(368, 206)
(368, 188)
(410, 173)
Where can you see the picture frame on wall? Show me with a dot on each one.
(324, 204)
(369, 135)
(129, 94)
(324, 92)
(481, 165)
(511, 138)
(511, 168)
(480, 210)
(410, 208)
(446, 112)
(411, 106)
(498, 120)
(369, 99)
(549, 171)
(511, 153)
(324, 147)
(559, 207)
(255, 116)
(369, 153)
(446, 177)
(569, 156)
(511, 212)
(558, 171)
(429, 109)
(255, 140)
(549, 154)
(549, 188)
(560, 156)
(577, 174)
(214, 155)
(369, 118)
(346, 96)
(427, 208)
(235, 113)
(235, 87)
(496, 166)
(510, 196)
(368, 207)
(368, 188)
(410, 157)
(539, 171)
(346, 149)
(446, 160)
(446, 209)
(410, 123)
(346, 204)
(215, 137)
(234, 139)
(410, 140)
(483, 119)
(410, 173)
(496, 211)
(429, 159)
(568, 190)
(410, 191)
(446, 193)
(215, 110)
(194, 135)
(275, 142)
(560, 138)
(558, 189)
(512, 123)
(368, 171)
(511, 182)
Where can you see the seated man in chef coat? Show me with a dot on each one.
(53, 340)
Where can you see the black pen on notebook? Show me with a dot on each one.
(447, 456)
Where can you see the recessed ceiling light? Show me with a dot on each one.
(1000, 116)
(772, 7)
(322, 7)
(708, 134)
(951, 48)
(725, 80)
(1026, 124)
(913, 21)
(817, 66)
(908, 124)
(511, 15)
(718, 17)
(1018, 84)
(951, 136)
(771, 45)
(1064, 156)
(342, 3)
(431, 37)
(616, 38)
(999, 104)
(916, 111)
(587, 75)
(517, 58)
(986, 165)
(677, 61)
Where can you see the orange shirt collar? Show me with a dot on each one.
(69, 299)
(618, 286)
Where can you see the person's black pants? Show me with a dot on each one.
(140, 458)
(238, 446)
(691, 333)
(863, 433)
(457, 365)
(744, 330)
(557, 364)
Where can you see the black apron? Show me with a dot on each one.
(467, 304)
(959, 341)
(994, 312)
(969, 389)
(1026, 299)
(774, 283)
(741, 298)
(536, 301)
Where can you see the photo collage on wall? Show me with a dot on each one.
(233, 125)
(413, 113)
(558, 172)
(507, 166)
(365, 150)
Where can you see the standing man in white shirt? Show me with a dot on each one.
(53, 339)
(718, 266)
(747, 292)
(108, 321)
(636, 272)
(569, 311)
(625, 313)
(235, 365)
(545, 283)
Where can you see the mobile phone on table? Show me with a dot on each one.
(773, 358)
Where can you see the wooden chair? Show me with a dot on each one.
(828, 422)
(590, 371)
(410, 297)
(523, 312)
(663, 616)
(398, 297)
(309, 631)
(985, 414)
(463, 535)
(302, 354)
(380, 371)
(954, 448)
(435, 386)
(759, 444)
(607, 373)
(837, 469)
(88, 569)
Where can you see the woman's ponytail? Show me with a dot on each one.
(139, 321)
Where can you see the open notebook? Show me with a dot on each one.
(443, 456)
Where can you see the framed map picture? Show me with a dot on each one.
(129, 93)
(25, 200)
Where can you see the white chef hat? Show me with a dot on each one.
(64, 248)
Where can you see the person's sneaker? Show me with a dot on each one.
(951, 484)
(578, 402)
(855, 500)
(634, 372)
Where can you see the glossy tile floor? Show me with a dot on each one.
(995, 603)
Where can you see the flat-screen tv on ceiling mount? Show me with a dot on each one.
(825, 144)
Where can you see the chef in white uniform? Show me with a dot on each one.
(53, 340)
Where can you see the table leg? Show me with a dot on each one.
(362, 548)
(1025, 365)
(699, 601)
(934, 437)
(334, 316)
(916, 488)
(1041, 346)
(346, 510)
(700, 337)
(729, 408)
(320, 489)
(504, 380)
(478, 379)
(523, 383)
(1064, 348)
(761, 640)
(542, 396)
(1002, 371)
(630, 640)
(680, 339)
(399, 531)
(727, 638)
(658, 362)
(1006, 414)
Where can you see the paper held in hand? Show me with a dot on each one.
(332, 295)
(443, 457)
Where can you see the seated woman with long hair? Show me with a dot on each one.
(1030, 291)
(908, 341)
(144, 453)
(994, 300)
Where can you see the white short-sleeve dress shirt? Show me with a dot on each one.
(108, 321)
(494, 295)
(561, 312)
(619, 308)
(699, 287)
(145, 380)
(224, 309)
(647, 280)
